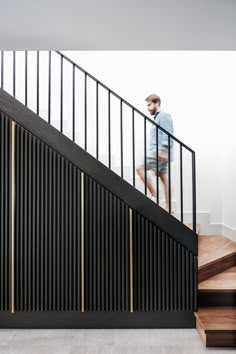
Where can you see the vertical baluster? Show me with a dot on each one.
(133, 140)
(49, 85)
(2, 69)
(73, 102)
(14, 73)
(194, 190)
(145, 156)
(169, 174)
(37, 82)
(109, 129)
(26, 78)
(61, 127)
(181, 181)
(121, 138)
(97, 124)
(85, 112)
(157, 164)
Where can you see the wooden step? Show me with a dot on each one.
(215, 254)
(219, 290)
(217, 326)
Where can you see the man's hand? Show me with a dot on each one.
(163, 155)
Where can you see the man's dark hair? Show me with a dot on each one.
(153, 98)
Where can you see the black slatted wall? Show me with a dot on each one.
(47, 239)
(53, 273)
(107, 281)
(165, 277)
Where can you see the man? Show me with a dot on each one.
(164, 120)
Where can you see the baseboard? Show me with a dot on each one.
(211, 229)
(229, 232)
(101, 320)
(218, 230)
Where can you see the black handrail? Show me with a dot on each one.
(122, 102)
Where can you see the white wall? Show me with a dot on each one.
(229, 153)
(197, 88)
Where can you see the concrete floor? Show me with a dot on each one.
(137, 341)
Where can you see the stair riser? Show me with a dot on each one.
(221, 339)
(219, 266)
(216, 338)
(216, 298)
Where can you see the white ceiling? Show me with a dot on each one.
(118, 25)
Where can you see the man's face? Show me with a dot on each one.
(152, 107)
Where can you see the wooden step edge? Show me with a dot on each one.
(201, 331)
(228, 330)
(215, 338)
(215, 261)
(198, 318)
(215, 267)
(223, 282)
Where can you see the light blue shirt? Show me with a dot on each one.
(164, 120)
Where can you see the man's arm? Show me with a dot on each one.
(167, 124)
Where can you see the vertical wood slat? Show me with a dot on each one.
(62, 243)
(7, 222)
(13, 191)
(82, 242)
(131, 259)
(29, 246)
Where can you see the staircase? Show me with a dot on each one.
(216, 315)
(81, 246)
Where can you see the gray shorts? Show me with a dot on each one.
(151, 164)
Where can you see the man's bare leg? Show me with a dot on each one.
(164, 179)
(150, 185)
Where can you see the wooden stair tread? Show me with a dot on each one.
(224, 281)
(217, 319)
(213, 248)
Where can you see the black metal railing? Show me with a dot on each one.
(136, 116)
